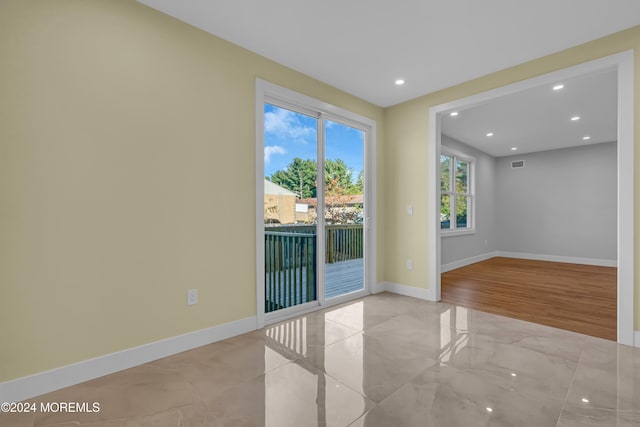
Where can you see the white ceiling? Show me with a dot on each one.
(539, 119)
(363, 46)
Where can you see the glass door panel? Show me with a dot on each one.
(343, 209)
(290, 167)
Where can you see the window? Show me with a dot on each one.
(456, 194)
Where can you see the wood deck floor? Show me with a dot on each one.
(574, 297)
(340, 278)
(343, 277)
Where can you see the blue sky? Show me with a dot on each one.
(288, 134)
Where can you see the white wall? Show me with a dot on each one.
(562, 203)
(455, 248)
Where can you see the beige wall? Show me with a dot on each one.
(405, 153)
(121, 129)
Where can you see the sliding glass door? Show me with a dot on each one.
(313, 224)
(290, 187)
(343, 209)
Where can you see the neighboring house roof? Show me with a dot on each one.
(350, 199)
(275, 190)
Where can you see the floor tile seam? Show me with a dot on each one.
(571, 383)
(288, 356)
(376, 405)
(355, 332)
(394, 317)
(530, 324)
(323, 372)
(268, 371)
(369, 326)
(607, 411)
(341, 325)
(374, 337)
(492, 371)
(431, 363)
(198, 395)
(212, 397)
(406, 383)
(348, 387)
(329, 346)
(201, 399)
(616, 411)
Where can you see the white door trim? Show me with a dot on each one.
(623, 62)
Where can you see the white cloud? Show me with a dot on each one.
(285, 124)
(272, 149)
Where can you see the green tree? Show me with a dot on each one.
(299, 176)
(460, 171)
(445, 184)
(358, 187)
(337, 173)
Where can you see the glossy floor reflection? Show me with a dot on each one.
(384, 360)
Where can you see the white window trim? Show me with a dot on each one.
(287, 98)
(448, 232)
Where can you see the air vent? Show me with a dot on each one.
(517, 164)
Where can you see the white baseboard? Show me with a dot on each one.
(55, 379)
(406, 290)
(467, 261)
(520, 255)
(558, 258)
(378, 287)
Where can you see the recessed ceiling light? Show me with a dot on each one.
(453, 113)
(399, 82)
(575, 118)
(489, 409)
(558, 87)
(490, 134)
(586, 138)
(585, 400)
(514, 148)
(513, 374)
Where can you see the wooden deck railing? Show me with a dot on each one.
(342, 242)
(290, 266)
(290, 260)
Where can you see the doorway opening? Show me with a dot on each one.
(623, 65)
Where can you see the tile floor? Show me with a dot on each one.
(384, 360)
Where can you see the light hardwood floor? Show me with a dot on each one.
(575, 297)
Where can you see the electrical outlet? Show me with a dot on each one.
(409, 264)
(192, 296)
(410, 210)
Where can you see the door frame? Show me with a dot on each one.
(623, 63)
(264, 92)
